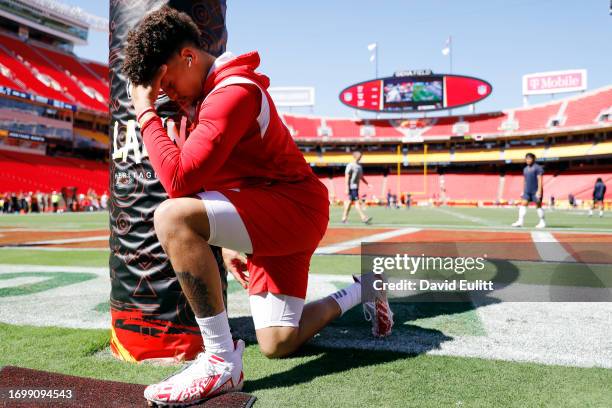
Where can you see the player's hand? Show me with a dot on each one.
(144, 96)
(236, 264)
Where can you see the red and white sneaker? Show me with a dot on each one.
(378, 311)
(207, 376)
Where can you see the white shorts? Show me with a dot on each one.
(226, 227)
(272, 310)
(227, 230)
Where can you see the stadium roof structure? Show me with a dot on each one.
(74, 13)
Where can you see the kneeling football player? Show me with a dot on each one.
(238, 182)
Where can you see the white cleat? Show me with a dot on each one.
(207, 376)
(378, 311)
(541, 224)
(517, 224)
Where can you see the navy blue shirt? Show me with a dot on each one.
(531, 174)
(600, 190)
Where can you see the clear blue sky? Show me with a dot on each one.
(323, 43)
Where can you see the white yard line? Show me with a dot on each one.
(68, 240)
(52, 249)
(353, 243)
(549, 248)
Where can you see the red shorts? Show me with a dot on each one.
(285, 222)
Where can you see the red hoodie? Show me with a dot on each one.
(226, 148)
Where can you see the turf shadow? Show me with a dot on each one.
(327, 362)
(347, 343)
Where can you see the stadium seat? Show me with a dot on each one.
(584, 110)
(50, 173)
(302, 127)
(82, 73)
(535, 118)
(48, 67)
(25, 76)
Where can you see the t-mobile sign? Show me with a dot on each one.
(555, 82)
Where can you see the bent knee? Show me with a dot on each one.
(167, 214)
(177, 214)
(277, 342)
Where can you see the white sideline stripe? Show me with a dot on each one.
(7, 268)
(353, 243)
(549, 248)
(50, 229)
(52, 249)
(69, 240)
(104, 271)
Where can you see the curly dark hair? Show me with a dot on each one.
(155, 40)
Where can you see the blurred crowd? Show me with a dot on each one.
(67, 199)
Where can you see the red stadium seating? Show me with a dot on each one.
(25, 172)
(585, 110)
(536, 118)
(384, 128)
(582, 110)
(441, 127)
(82, 73)
(98, 69)
(31, 83)
(302, 127)
(46, 66)
(471, 186)
(559, 186)
(580, 185)
(10, 82)
(420, 186)
(343, 128)
(485, 124)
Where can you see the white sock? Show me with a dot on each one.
(522, 212)
(591, 211)
(601, 213)
(540, 212)
(348, 297)
(216, 334)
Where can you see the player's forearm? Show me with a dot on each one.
(223, 120)
(165, 158)
(540, 186)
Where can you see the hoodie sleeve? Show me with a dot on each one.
(223, 119)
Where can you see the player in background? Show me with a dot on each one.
(599, 191)
(533, 190)
(353, 175)
(238, 182)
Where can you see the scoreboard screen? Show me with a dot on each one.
(408, 94)
(415, 93)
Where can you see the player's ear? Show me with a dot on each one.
(188, 55)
